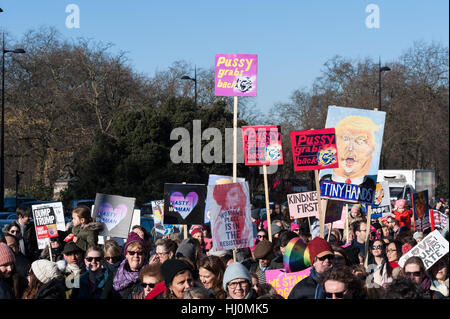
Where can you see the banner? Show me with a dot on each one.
(235, 74)
(359, 137)
(283, 282)
(430, 249)
(382, 200)
(115, 213)
(346, 192)
(217, 180)
(314, 149)
(231, 223)
(184, 204)
(262, 145)
(48, 219)
(303, 205)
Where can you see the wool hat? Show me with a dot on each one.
(71, 248)
(294, 226)
(262, 249)
(196, 230)
(234, 271)
(171, 267)
(187, 249)
(319, 247)
(417, 235)
(275, 229)
(6, 255)
(132, 238)
(45, 270)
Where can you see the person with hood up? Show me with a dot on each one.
(44, 281)
(237, 282)
(321, 256)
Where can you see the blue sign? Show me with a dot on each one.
(346, 192)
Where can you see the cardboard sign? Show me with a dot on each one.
(283, 282)
(420, 204)
(235, 75)
(440, 220)
(136, 220)
(158, 211)
(262, 145)
(231, 223)
(346, 192)
(48, 219)
(115, 213)
(184, 204)
(359, 137)
(333, 210)
(217, 180)
(303, 205)
(432, 248)
(314, 149)
(382, 204)
(340, 224)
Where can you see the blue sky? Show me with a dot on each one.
(293, 38)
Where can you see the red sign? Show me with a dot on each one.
(314, 149)
(262, 145)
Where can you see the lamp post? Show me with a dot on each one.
(185, 77)
(380, 70)
(2, 154)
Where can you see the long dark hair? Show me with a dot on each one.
(33, 286)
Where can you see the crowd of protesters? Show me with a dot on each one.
(174, 267)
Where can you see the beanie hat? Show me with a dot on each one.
(234, 271)
(294, 226)
(71, 248)
(45, 270)
(187, 249)
(417, 235)
(132, 238)
(6, 255)
(171, 267)
(262, 249)
(275, 229)
(319, 247)
(196, 230)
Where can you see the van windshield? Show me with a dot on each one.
(396, 192)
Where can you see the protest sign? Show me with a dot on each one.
(314, 149)
(340, 223)
(115, 213)
(333, 210)
(136, 220)
(381, 204)
(48, 219)
(262, 145)
(158, 211)
(359, 137)
(184, 204)
(283, 282)
(303, 205)
(346, 192)
(235, 74)
(420, 204)
(439, 219)
(217, 180)
(430, 249)
(231, 223)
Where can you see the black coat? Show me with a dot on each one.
(31, 246)
(6, 291)
(305, 289)
(22, 264)
(51, 290)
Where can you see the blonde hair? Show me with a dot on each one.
(357, 122)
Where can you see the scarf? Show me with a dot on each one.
(319, 292)
(123, 277)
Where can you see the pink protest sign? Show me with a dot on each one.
(283, 282)
(235, 75)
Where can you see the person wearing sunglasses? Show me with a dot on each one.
(150, 281)
(126, 279)
(321, 256)
(414, 269)
(439, 276)
(93, 281)
(341, 283)
(113, 255)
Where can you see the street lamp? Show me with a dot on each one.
(185, 77)
(2, 155)
(380, 70)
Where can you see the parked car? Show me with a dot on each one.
(10, 202)
(78, 202)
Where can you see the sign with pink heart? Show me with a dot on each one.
(115, 213)
(184, 204)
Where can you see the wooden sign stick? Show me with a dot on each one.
(185, 231)
(50, 249)
(235, 111)
(329, 231)
(321, 215)
(347, 229)
(266, 193)
(369, 215)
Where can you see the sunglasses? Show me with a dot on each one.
(145, 285)
(96, 259)
(113, 259)
(377, 247)
(329, 257)
(413, 274)
(339, 295)
(132, 253)
(262, 236)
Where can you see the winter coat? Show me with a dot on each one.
(126, 282)
(6, 291)
(86, 291)
(22, 264)
(439, 290)
(277, 263)
(308, 288)
(51, 290)
(87, 234)
(30, 242)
